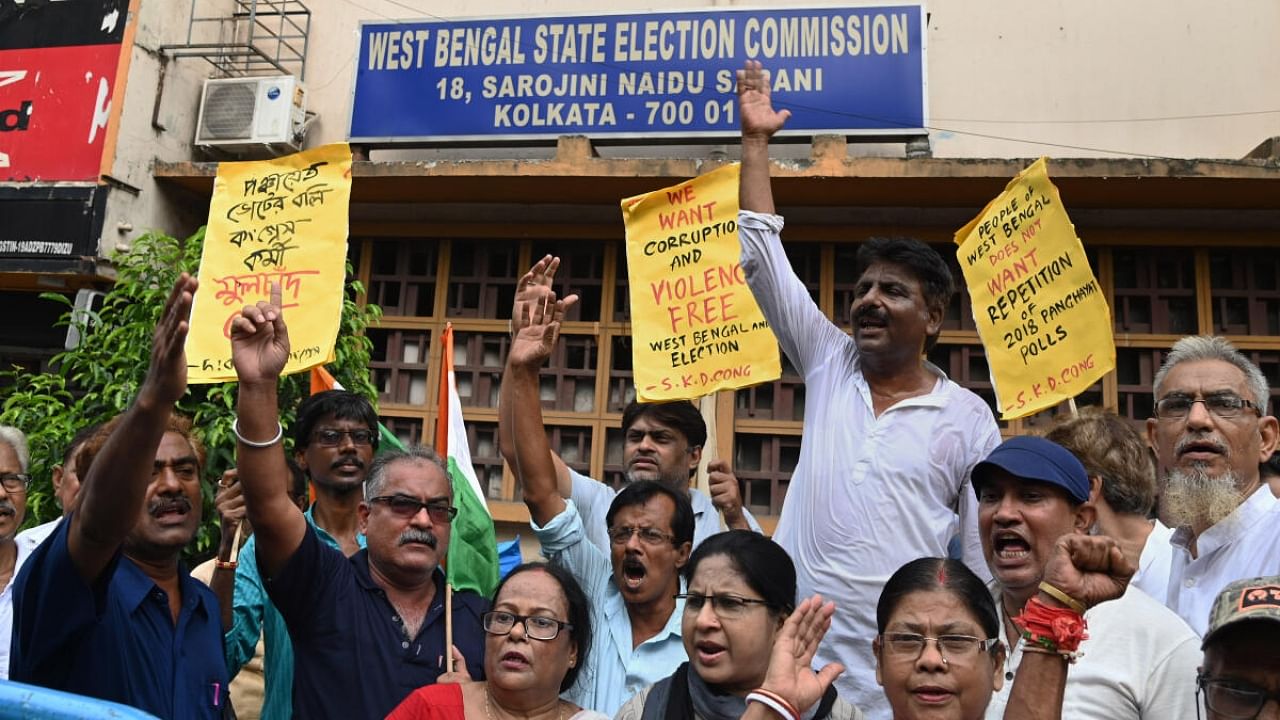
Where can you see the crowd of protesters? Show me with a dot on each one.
(922, 567)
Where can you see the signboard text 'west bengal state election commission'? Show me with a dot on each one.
(663, 75)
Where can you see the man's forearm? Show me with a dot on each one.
(754, 190)
(264, 476)
(530, 459)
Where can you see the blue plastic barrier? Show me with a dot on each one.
(18, 700)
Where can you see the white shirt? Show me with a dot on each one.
(1153, 567)
(27, 540)
(613, 670)
(1139, 663)
(1245, 544)
(593, 499)
(869, 494)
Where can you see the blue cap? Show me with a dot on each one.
(1034, 458)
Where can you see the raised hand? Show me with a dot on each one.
(755, 108)
(790, 672)
(166, 379)
(1089, 568)
(229, 502)
(539, 328)
(533, 289)
(260, 341)
(725, 493)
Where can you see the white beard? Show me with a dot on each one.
(1194, 497)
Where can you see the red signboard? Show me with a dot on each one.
(57, 81)
(54, 105)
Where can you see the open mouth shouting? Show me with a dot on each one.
(870, 321)
(514, 660)
(1009, 548)
(633, 573)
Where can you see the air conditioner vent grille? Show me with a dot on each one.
(228, 112)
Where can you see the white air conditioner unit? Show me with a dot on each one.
(249, 114)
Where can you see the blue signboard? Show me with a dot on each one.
(853, 71)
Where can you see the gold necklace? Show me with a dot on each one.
(488, 705)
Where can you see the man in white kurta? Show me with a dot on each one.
(889, 441)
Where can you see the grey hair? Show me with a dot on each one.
(1196, 348)
(377, 475)
(16, 439)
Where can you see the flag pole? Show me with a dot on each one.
(448, 627)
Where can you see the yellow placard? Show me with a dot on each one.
(695, 326)
(1039, 309)
(275, 221)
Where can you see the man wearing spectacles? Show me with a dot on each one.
(661, 441)
(369, 629)
(1240, 679)
(14, 480)
(1139, 656)
(334, 440)
(650, 530)
(1210, 433)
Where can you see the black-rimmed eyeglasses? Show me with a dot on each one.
(331, 437)
(1232, 699)
(538, 627)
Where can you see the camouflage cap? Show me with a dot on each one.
(1245, 600)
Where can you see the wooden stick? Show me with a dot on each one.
(448, 627)
(1071, 402)
(235, 542)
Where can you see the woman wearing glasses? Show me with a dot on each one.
(742, 588)
(538, 636)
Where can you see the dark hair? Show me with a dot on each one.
(931, 573)
(680, 415)
(936, 282)
(297, 480)
(176, 423)
(1271, 468)
(1111, 448)
(641, 492)
(579, 611)
(342, 405)
(73, 448)
(762, 563)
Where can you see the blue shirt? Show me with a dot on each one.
(352, 658)
(115, 639)
(252, 616)
(614, 671)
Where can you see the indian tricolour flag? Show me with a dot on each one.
(472, 563)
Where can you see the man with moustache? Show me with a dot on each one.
(889, 440)
(1138, 657)
(334, 439)
(662, 442)
(1210, 433)
(14, 481)
(650, 531)
(369, 629)
(104, 607)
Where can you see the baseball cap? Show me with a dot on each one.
(1034, 458)
(1244, 600)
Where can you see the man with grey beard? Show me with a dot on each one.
(1210, 433)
